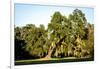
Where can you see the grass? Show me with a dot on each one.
(51, 60)
(42, 59)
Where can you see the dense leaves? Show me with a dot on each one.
(70, 36)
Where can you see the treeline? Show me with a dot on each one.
(70, 36)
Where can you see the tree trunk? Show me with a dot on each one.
(53, 46)
(51, 49)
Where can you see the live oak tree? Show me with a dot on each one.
(70, 36)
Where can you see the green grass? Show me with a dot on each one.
(44, 60)
(51, 60)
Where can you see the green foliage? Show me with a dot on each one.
(64, 37)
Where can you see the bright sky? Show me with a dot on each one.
(41, 14)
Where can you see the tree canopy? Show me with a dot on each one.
(70, 36)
